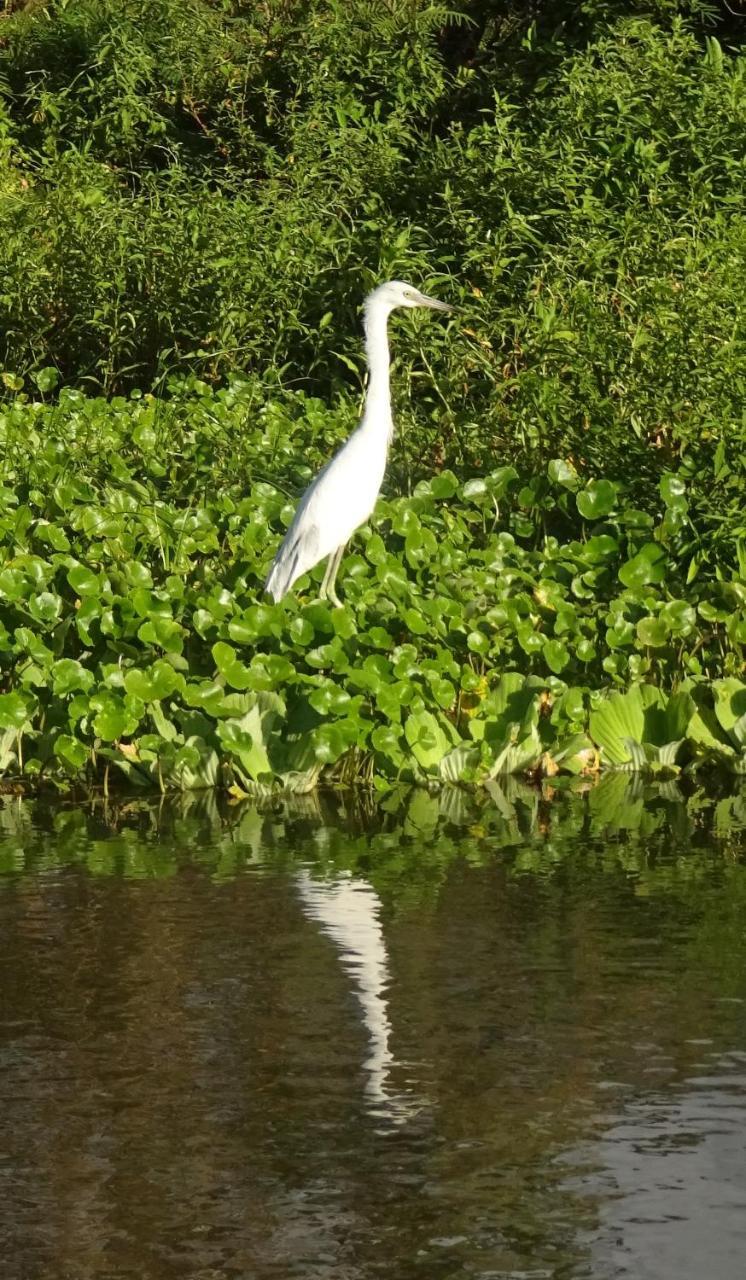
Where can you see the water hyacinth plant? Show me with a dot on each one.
(473, 642)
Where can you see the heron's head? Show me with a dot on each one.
(397, 293)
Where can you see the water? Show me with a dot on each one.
(440, 1038)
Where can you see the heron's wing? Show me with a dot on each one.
(339, 498)
(298, 552)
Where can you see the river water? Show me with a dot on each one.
(427, 1037)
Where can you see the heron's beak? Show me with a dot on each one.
(424, 301)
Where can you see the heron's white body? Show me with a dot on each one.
(344, 493)
(341, 498)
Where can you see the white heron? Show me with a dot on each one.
(344, 493)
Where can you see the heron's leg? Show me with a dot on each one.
(330, 577)
(327, 574)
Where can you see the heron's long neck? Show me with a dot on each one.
(377, 415)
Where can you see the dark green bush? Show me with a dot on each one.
(215, 185)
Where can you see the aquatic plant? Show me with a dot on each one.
(135, 536)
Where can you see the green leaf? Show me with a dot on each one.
(163, 632)
(500, 480)
(330, 699)
(597, 499)
(83, 581)
(426, 738)
(652, 632)
(416, 622)
(301, 631)
(145, 437)
(209, 696)
(72, 751)
(392, 698)
(69, 675)
(241, 631)
(621, 717)
(257, 620)
(475, 490)
(673, 491)
(443, 692)
(195, 765)
(520, 752)
(112, 720)
(478, 642)
(387, 741)
(647, 567)
(375, 550)
(224, 656)
(585, 650)
(556, 655)
(46, 379)
(531, 641)
(712, 613)
(154, 683)
(332, 740)
(562, 473)
(444, 485)
(730, 708)
(460, 764)
(405, 520)
(637, 756)
(679, 617)
(13, 711)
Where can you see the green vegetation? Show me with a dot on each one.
(194, 194)
(472, 643)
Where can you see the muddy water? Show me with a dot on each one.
(433, 1040)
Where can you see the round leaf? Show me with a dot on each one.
(13, 711)
(69, 675)
(72, 751)
(673, 491)
(560, 472)
(652, 632)
(112, 720)
(46, 379)
(301, 631)
(475, 490)
(647, 567)
(444, 485)
(596, 500)
(83, 581)
(556, 656)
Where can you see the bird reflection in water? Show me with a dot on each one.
(348, 911)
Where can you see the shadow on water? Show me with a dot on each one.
(441, 1036)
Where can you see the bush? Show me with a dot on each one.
(211, 186)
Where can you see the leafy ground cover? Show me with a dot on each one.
(537, 624)
(194, 195)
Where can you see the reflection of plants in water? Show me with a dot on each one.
(404, 847)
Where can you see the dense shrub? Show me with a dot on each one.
(216, 184)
